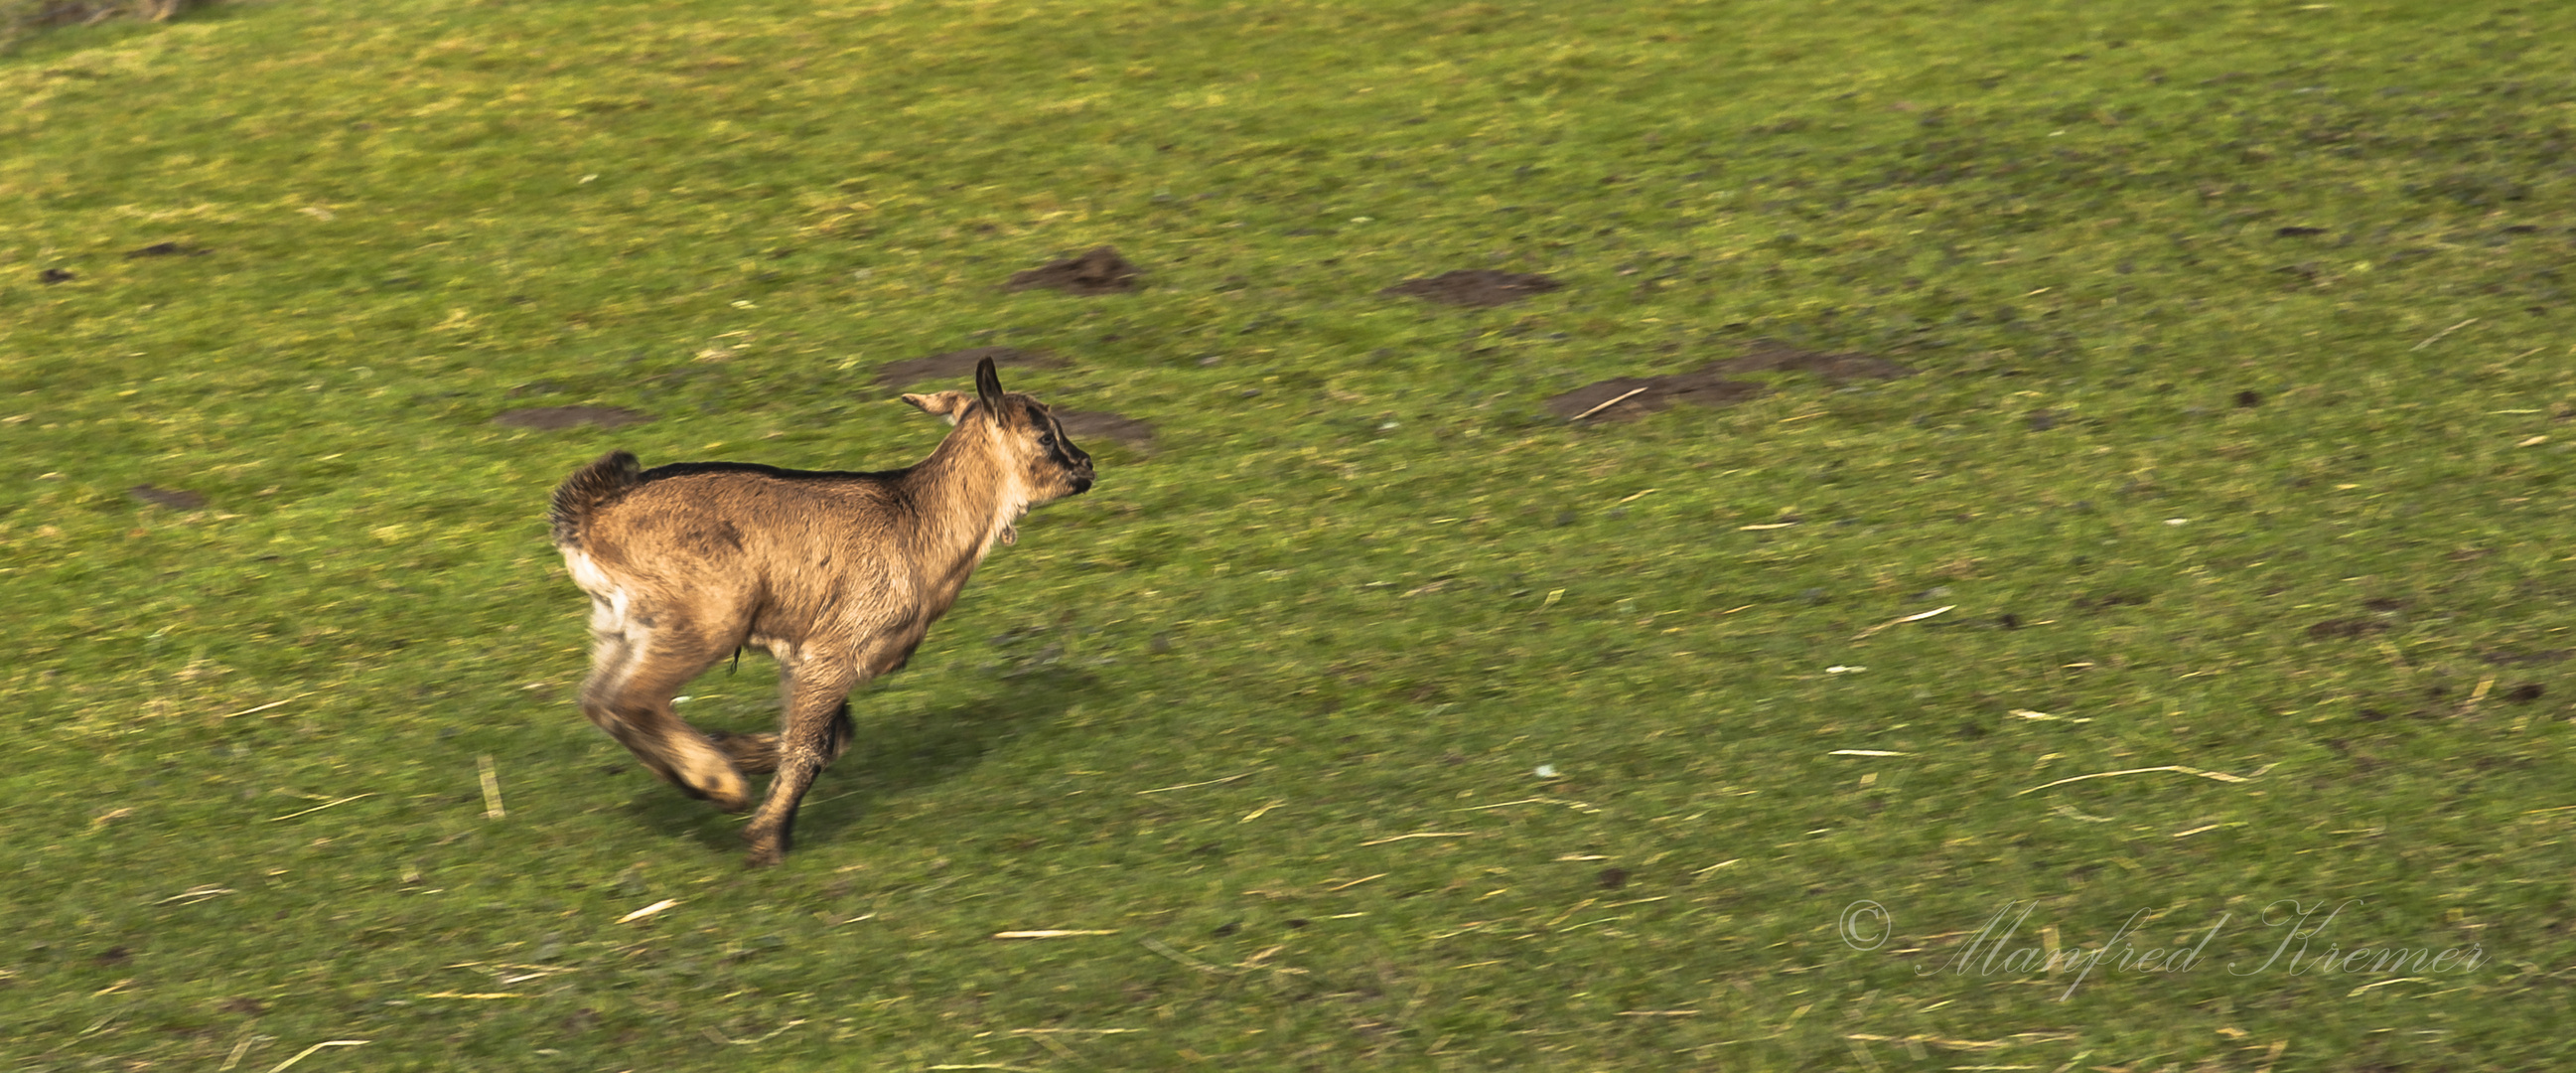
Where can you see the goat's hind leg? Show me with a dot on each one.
(632, 680)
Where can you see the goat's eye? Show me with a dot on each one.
(1047, 440)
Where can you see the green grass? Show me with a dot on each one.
(2295, 507)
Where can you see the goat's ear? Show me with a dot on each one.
(988, 386)
(947, 404)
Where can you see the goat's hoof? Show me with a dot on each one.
(735, 798)
(735, 803)
(723, 786)
(768, 844)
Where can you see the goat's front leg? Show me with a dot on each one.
(816, 727)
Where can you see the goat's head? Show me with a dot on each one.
(1024, 437)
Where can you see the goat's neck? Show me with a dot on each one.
(963, 498)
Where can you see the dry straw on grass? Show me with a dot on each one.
(1419, 834)
(2218, 775)
(320, 807)
(1614, 401)
(1901, 621)
(1194, 785)
(649, 910)
(492, 809)
(300, 1055)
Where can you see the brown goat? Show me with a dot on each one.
(835, 575)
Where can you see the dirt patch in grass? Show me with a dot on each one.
(960, 364)
(1627, 398)
(2335, 629)
(167, 249)
(2511, 658)
(1098, 271)
(1092, 425)
(2442, 702)
(1773, 356)
(173, 498)
(555, 418)
(1477, 287)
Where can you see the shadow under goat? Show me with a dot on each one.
(836, 575)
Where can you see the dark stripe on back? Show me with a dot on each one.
(691, 469)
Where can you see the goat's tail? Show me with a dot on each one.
(588, 489)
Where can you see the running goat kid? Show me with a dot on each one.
(836, 575)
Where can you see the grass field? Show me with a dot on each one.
(1371, 714)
